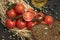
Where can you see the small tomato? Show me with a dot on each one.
(10, 24)
(21, 24)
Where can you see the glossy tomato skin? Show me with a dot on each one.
(11, 13)
(49, 20)
(41, 15)
(21, 24)
(19, 8)
(28, 16)
(30, 25)
(10, 24)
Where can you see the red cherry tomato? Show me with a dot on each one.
(49, 20)
(19, 8)
(41, 16)
(11, 13)
(30, 25)
(36, 22)
(28, 16)
(21, 24)
(10, 24)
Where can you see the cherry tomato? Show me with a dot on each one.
(41, 16)
(11, 13)
(30, 25)
(28, 16)
(10, 24)
(49, 20)
(21, 24)
(19, 8)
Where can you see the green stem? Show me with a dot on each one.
(16, 17)
(10, 5)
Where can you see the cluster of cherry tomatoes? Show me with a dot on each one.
(24, 18)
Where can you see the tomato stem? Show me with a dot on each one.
(9, 5)
(17, 17)
(34, 19)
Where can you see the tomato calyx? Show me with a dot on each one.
(34, 19)
(10, 6)
(17, 17)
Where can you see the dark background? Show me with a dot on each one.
(5, 34)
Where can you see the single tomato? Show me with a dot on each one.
(40, 16)
(10, 24)
(30, 25)
(11, 13)
(49, 20)
(19, 8)
(21, 24)
(28, 16)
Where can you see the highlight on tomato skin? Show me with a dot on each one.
(49, 19)
(11, 13)
(21, 24)
(19, 8)
(30, 25)
(10, 24)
